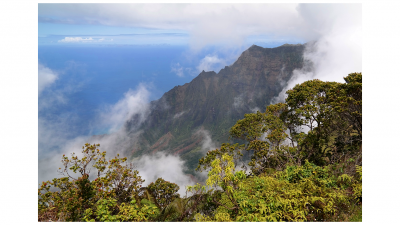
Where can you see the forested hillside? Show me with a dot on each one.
(306, 165)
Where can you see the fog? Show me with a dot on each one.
(338, 49)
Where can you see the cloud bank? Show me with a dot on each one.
(215, 24)
(338, 50)
(335, 30)
(210, 63)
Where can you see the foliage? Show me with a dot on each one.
(71, 197)
(184, 209)
(346, 100)
(266, 136)
(233, 150)
(309, 108)
(357, 187)
(305, 193)
(164, 192)
(270, 138)
(332, 113)
(131, 212)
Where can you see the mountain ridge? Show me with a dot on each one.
(213, 102)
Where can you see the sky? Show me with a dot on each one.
(176, 24)
(227, 28)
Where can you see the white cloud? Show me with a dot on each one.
(210, 63)
(76, 39)
(208, 24)
(181, 71)
(51, 95)
(177, 69)
(338, 50)
(134, 102)
(46, 77)
(80, 40)
(168, 167)
(207, 143)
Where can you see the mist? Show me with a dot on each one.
(338, 49)
(134, 102)
(169, 167)
(58, 133)
(207, 143)
(45, 77)
(56, 137)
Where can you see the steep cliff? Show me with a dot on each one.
(214, 102)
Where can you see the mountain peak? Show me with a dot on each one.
(216, 101)
(288, 45)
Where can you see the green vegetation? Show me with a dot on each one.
(306, 165)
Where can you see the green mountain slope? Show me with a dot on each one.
(214, 102)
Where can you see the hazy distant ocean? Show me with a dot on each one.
(94, 76)
(100, 75)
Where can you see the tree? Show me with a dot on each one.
(268, 138)
(233, 150)
(332, 114)
(164, 192)
(346, 100)
(76, 195)
(309, 108)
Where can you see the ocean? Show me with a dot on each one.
(93, 76)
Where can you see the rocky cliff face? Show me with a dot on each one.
(213, 102)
